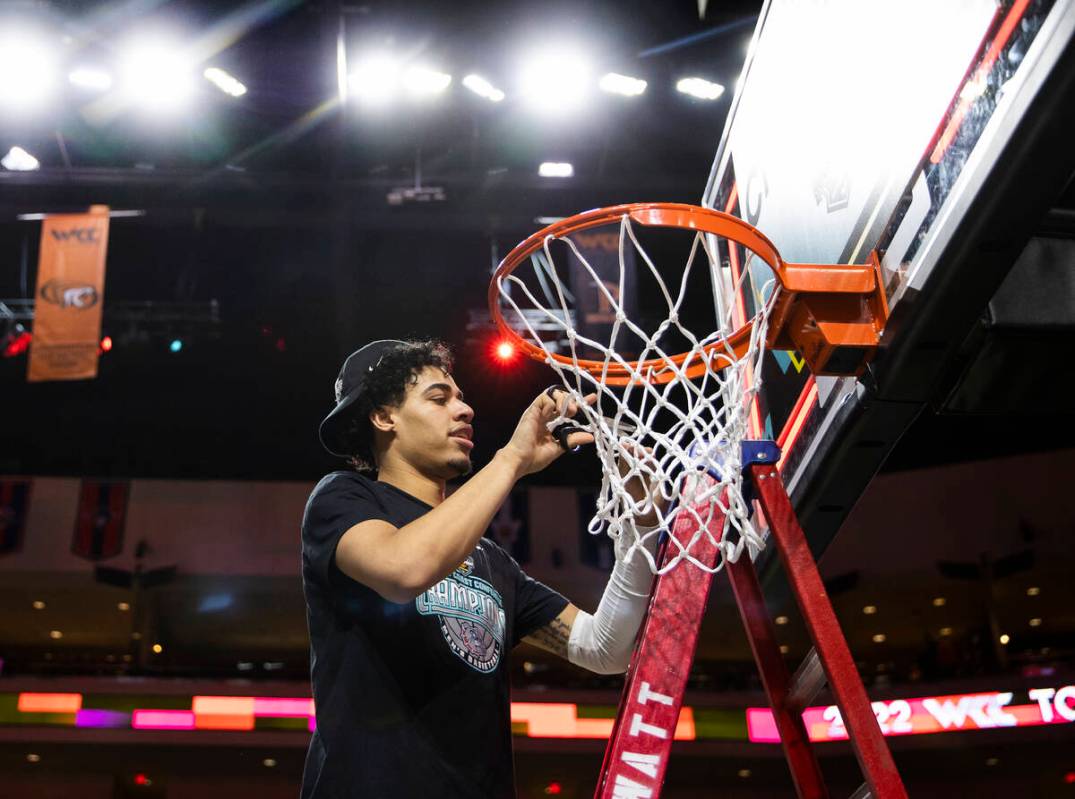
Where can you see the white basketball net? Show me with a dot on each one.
(681, 437)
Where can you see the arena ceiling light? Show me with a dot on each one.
(699, 88)
(425, 82)
(91, 78)
(556, 169)
(227, 83)
(483, 88)
(614, 83)
(27, 71)
(375, 79)
(157, 77)
(18, 160)
(378, 79)
(555, 82)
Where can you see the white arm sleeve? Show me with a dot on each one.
(603, 642)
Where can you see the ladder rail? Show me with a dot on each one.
(868, 743)
(805, 771)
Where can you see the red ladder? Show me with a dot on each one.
(637, 753)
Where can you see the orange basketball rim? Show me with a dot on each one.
(833, 314)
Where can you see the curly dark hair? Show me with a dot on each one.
(387, 385)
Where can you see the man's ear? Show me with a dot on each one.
(381, 419)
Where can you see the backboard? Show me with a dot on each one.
(900, 126)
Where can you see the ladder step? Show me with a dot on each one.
(807, 682)
(862, 792)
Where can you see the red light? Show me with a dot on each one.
(141, 779)
(505, 350)
(106, 344)
(1069, 778)
(553, 789)
(17, 342)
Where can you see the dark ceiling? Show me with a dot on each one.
(270, 247)
(270, 213)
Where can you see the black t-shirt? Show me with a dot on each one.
(412, 699)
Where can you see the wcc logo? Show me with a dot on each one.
(80, 235)
(79, 296)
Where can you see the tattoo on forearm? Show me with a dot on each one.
(552, 637)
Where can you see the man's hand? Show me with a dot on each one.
(532, 445)
(641, 486)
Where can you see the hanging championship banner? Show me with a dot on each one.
(69, 295)
(102, 514)
(596, 309)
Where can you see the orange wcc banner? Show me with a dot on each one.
(70, 291)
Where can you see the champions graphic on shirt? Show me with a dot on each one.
(471, 615)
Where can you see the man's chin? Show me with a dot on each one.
(460, 466)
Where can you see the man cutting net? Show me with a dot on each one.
(412, 614)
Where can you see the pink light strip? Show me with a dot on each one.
(280, 707)
(162, 720)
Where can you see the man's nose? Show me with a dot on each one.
(464, 412)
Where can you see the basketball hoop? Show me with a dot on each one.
(677, 421)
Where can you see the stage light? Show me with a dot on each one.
(176, 345)
(556, 169)
(622, 84)
(781, 620)
(423, 82)
(1033, 591)
(18, 160)
(939, 601)
(106, 344)
(90, 78)
(38, 605)
(157, 77)
(375, 79)
(228, 84)
(158, 648)
(1005, 638)
(879, 638)
(553, 789)
(1035, 622)
(27, 71)
(483, 88)
(555, 82)
(1069, 778)
(504, 351)
(33, 758)
(699, 88)
(869, 610)
(142, 779)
